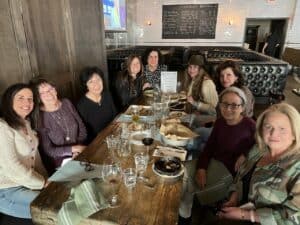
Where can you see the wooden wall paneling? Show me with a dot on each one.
(70, 47)
(48, 35)
(21, 41)
(88, 31)
(12, 68)
(32, 55)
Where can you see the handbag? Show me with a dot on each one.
(218, 181)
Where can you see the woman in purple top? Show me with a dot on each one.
(231, 139)
(60, 128)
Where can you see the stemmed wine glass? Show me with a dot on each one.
(112, 175)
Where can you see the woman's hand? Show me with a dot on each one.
(146, 85)
(46, 183)
(201, 178)
(239, 162)
(77, 149)
(233, 200)
(233, 213)
(190, 100)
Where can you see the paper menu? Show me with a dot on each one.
(168, 81)
(162, 151)
(75, 171)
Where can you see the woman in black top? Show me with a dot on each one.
(130, 82)
(96, 107)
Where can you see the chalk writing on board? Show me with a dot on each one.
(189, 21)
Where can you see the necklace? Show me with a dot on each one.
(59, 118)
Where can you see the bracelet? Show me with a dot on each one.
(252, 217)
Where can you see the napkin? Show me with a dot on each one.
(84, 200)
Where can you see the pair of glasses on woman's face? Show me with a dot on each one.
(232, 106)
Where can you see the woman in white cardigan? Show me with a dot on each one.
(22, 173)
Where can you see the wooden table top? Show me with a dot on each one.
(142, 205)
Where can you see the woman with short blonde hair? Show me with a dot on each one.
(294, 118)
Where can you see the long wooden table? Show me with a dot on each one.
(142, 205)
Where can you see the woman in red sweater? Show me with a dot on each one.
(229, 143)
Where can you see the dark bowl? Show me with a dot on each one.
(170, 166)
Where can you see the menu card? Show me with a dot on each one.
(162, 151)
(168, 81)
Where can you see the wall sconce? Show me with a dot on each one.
(149, 23)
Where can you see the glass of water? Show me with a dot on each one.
(129, 175)
(141, 162)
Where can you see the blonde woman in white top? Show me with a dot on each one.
(22, 173)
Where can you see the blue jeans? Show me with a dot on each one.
(16, 201)
(196, 145)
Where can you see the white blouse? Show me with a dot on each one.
(20, 162)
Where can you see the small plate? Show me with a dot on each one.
(144, 110)
(168, 176)
(168, 166)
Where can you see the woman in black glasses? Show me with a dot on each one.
(231, 139)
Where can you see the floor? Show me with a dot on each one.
(290, 98)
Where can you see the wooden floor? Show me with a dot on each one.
(290, 98)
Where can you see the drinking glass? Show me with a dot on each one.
(112, 175)
(124, 149)
(129, 177)
(135, 117)
(157, 113)
(141, 162)
(148, 136)
(113, 143)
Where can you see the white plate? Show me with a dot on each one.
(140, 107)
(137, 137)
(169, 176)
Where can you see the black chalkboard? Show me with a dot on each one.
(189, 21)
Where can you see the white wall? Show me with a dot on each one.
(226, 35)
(293, 32)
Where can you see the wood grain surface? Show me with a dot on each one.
(142, 205)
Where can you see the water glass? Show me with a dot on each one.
(112, 175)
(113, 143)
(124, 149)
(129, 175)
(141, 162)
(125, 132)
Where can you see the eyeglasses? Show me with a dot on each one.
(230, 106)
(87, 166)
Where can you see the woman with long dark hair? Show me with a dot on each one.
(22, 173)
(130, 82)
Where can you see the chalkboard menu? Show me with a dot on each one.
(189, 21)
